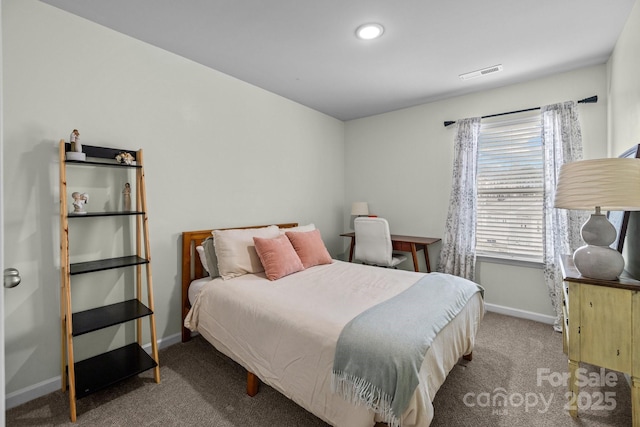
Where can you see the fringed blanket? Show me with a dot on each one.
(379, 352)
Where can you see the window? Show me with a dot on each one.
(510, 189)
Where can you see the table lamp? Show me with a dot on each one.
(604, 184)
(359, 208)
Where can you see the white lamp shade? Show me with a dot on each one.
(359, 208)
(604, 184)
(611, 184)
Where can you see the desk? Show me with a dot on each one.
(601, 327)
(404, 244)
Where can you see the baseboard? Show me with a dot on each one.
(27, 394)
(43, 388)
(523, 314)
(164, 342)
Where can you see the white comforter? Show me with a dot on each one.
(285, 332)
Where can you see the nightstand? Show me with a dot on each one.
(601, 327)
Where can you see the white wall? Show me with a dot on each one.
(624, 116)
(400, 162)
(218, 152)
(624, 87)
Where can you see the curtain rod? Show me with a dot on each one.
(589, 100)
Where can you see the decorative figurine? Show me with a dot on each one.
(125, 158)
(76, 148)
(74, 139)
(79, 199)
(126, 195)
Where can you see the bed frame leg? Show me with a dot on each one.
(253, 384)
(186, 334)
(468, 357)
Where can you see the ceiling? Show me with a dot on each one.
(307, 51)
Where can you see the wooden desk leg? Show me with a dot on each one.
(415, 257)
(573, 388)
(353, 244)
(425, 248)
(635, 401)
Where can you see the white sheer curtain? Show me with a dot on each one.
(562, 139)
(458, 255)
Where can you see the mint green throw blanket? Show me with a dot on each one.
(379, 353)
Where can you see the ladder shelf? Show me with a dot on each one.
(87, 376)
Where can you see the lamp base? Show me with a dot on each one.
(598, 262)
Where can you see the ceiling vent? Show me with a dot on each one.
(480, 73)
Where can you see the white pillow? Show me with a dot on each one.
(299, 228)
(236, 251)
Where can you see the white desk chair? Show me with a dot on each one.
(373, 243)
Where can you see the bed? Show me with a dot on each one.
(285, 332)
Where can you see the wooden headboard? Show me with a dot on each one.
(192, 267)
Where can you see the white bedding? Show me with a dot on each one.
(285, 332)
(195, 286)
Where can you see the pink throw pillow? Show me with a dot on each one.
(278, 257)
(310, 247)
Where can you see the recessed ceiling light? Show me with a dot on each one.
(369, 31)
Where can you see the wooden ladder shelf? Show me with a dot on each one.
(84, 377)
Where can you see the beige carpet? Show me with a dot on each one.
(521, 359)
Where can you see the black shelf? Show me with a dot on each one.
(109, 368)
(105, 264)
(109, 213)
(106, 154)
(108, 315)
(101, 163)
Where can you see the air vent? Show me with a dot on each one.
(480, 73)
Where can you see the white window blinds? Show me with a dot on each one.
(510, 189)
